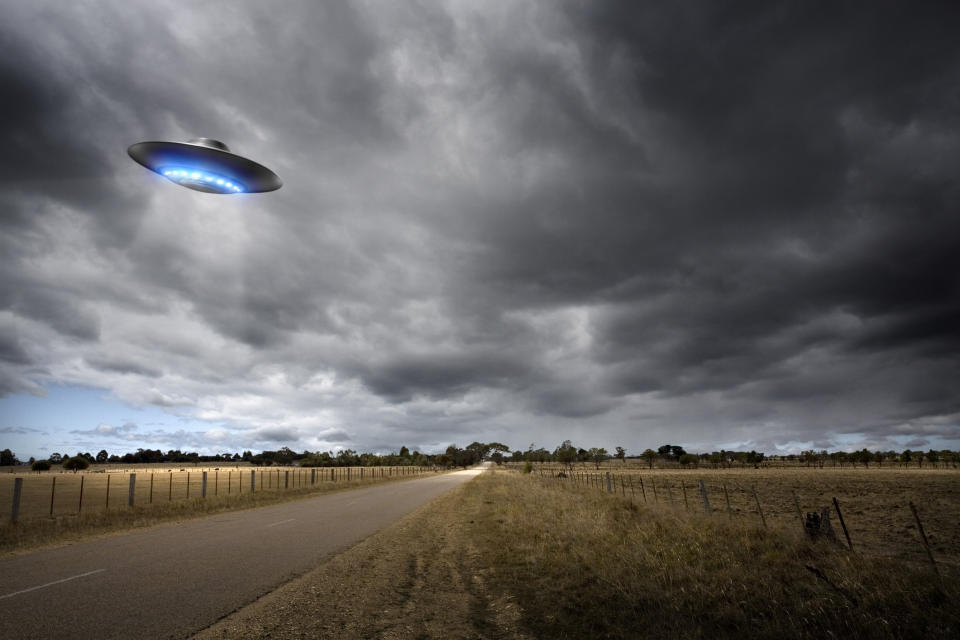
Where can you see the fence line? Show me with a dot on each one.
(54, 494)
(606, 482)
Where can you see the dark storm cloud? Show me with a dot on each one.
(736, 223)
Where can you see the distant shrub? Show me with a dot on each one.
(76, 463)
(41, 465)
(527, 467)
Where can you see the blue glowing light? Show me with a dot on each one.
(206, 180)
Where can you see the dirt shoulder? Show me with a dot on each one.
(419, 578)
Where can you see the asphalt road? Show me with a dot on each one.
(172, 581)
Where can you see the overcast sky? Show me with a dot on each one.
(523, 222)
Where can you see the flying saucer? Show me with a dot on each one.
(206, 165)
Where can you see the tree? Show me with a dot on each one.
(76, 463)
(686, 459)
(649, 455)
(598, 455)
(566, 453)
(7, 459)
(671, 452)
(41, 465)
(477, 452)
(102, 456)
(55, 458)
(622, 454)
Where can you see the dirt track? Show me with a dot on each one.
(173, 581)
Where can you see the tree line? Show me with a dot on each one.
(453, 456)
(566, 453)
(673, 455)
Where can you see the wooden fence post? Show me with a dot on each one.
(609, 486)
(253, 480)
(188, 485)
(53, 490)
(17, 490)
(706, 499)
(683, 487)
(313, 476)
(642, 490)
(107, 506)
(170, 488)
(727, 496)
(923, 536)
(133, 485)
(842, 523)
(203, 486)
(151, 488)
(80, 503)
(670, 494)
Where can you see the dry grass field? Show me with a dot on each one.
(56, 493)
(511, 555)
(174, 495)
(874, 502)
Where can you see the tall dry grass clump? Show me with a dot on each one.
(582, 563)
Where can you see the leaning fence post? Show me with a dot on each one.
(609, 486)
(642, 490)
(923, 535)
(80, 503)
(842, 523)
(727, 496)
(53, 490)
(133, 484)
(17, 490)
(203, 486)
(706, 499)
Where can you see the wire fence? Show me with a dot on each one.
(911, 516)
(53, 494)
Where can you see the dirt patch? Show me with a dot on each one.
(419, 578)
